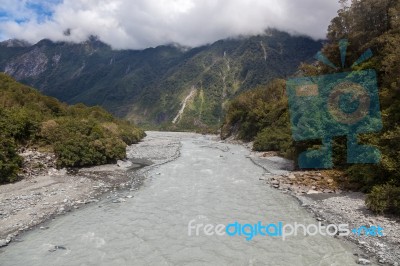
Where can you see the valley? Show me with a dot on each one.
(200, 132)
(148, 86)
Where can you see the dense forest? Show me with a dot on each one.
(78, 135)
(262, 114)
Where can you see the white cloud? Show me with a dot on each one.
(143, 23)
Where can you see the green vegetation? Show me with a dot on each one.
(384, 199)
(9, 160)
(78, 135)
(148, 86)
(261, 115)
(366, 24)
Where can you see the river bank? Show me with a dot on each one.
(321, 195)
(46, 192)
(209, 183)
(28, 203)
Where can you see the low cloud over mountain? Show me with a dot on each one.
(144, 23)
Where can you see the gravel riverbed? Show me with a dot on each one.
(45, 193)
(318, 193)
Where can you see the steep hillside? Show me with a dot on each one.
(366, 24)
(152, 86)
(77, 135)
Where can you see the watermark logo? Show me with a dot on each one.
(279, 229)
(340, 104)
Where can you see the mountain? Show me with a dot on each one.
(173, 86)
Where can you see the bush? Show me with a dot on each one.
(84, 142)
(384, 199)
(79, 135)
(81, 151)
(272, 139)
(10, 161)
(365, 176)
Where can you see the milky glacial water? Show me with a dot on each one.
(210, 182)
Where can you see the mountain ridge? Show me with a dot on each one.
(149, 86)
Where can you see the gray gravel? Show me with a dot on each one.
(336, 207)
(45, 192)
(50, 192)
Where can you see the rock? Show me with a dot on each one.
(92, 200)
(328, 191)
(316, 178)
(330, 181)
(363, 261)
(62, 172)
(311, 191)
(275, 182)
(3, 242)
(9, 238)
(292, 176)
(380, 245)
(129, 196)
(124, 164)
(276, 186)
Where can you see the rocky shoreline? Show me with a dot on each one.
(321, 195)
(35, 199)
(46, 192)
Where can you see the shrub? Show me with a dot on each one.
(79, 135)
(384, 199)
(85, 142)
(365, 176)
(10, 161)
(272, 139)
(81, 151)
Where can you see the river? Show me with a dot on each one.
(209, 183)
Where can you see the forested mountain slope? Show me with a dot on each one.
(150, 86)
(365, 24)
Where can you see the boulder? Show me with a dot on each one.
(124, 164)
(3, 242)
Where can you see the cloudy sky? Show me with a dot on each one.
(139, 24)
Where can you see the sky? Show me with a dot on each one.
(138, 24)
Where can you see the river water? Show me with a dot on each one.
(210, 182)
